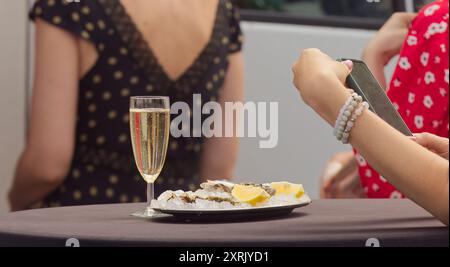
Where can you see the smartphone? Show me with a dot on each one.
(362, 81)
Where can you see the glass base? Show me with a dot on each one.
(146, 213)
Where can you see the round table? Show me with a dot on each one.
(323, 223)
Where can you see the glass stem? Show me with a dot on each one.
(150, 193)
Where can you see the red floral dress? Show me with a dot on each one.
(419, 87)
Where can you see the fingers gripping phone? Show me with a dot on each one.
(362, 81)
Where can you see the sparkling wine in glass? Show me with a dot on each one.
(150, 127)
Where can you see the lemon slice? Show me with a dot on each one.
(285, 188)
(249, 194)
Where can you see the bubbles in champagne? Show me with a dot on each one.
(149, 136)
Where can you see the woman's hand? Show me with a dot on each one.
(387, 43)
(389, 40)
(340, 178)
(320, 81)
(434, 143)
(419, 174)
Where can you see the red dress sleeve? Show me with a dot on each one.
(419, 87)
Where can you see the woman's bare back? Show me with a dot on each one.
(175, 30)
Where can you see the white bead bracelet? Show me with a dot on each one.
(348, 128)
(345, 114)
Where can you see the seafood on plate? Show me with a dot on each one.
(227, 195)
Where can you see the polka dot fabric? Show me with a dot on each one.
(419, 87)
(103, 168)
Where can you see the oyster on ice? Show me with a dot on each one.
(226, 195)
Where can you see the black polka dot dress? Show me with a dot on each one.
(103, 168)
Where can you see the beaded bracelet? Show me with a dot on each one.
(348, 128)
(344, 115)
(341, 113)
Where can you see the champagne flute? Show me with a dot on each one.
(150, 127)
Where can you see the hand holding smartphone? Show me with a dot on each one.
(364, 83)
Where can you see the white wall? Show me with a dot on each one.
(13, 44)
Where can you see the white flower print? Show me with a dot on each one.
(436, 124)
(368, 173)
(443, 92)
(428, 101)
(411, 98)
(383, 179)
(418, 121)
(408, 112)
(446, 75)
(434, 28)
(424, 58)
(404, 63)
(443, 48)
(412, 40)
(375, 187)
(397, 83)
(429, 77)
(361, 161)
(437, 60)
(395, 195)
(396, 106)
(442, 27)
(430, 10)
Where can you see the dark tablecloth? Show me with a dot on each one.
(323, 223)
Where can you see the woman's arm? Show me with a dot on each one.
(420, 174)
(50, 138)
(220, 153)
(386, 44)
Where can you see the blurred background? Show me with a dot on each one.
(275, 31)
